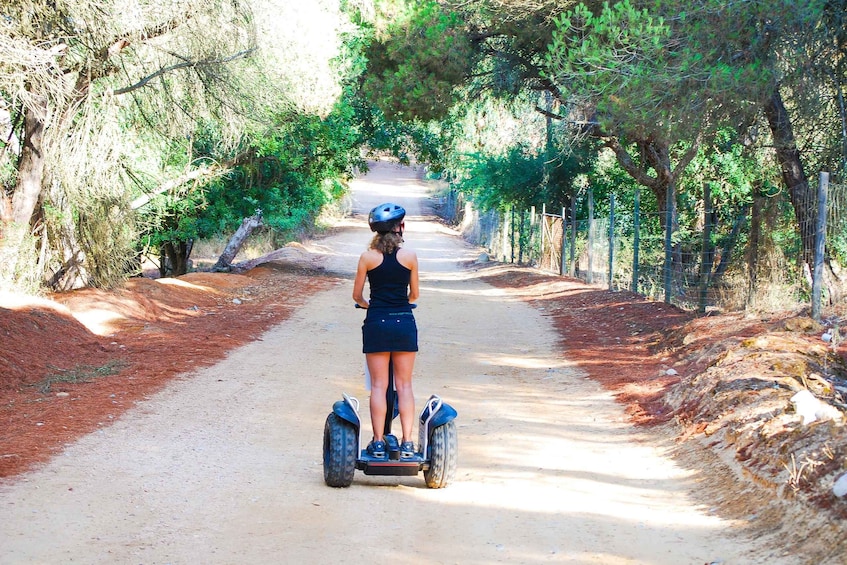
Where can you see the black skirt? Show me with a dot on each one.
(389, 331)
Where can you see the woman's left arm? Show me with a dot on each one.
(359, 283)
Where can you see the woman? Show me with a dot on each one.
(389, 332)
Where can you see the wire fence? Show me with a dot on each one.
(751, 257)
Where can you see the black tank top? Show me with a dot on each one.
(389, 283)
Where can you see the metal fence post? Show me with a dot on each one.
(820, 236)
(512, 236)
(636, 240)
(505, 235)
(573, 238)
(668, 242)
(706, 251)
(590, 277)
(532, 235)
(611, 238)
(564, 242)
(543, 226)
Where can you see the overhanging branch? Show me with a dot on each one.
(192, 175)
(186, 64)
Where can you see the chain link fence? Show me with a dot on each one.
(753, 257)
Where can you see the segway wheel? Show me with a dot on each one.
(444, 456)
(340, 446)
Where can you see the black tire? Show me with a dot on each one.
(340, 445)
(444, 456)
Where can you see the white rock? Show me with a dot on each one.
(671, 372)
(811, 408)
(839, 489)
(827, 337)
(236, 301)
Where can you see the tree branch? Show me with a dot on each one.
(628, 163)
(143, 82)
(188, 176)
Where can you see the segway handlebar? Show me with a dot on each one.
(357, 305)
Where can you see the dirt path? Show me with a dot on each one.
(224, 466)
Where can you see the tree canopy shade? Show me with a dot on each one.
(110, 109)
(95, 62)
(414, 67)
(655, 82)
(103, 102)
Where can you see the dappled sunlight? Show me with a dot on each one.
(550, 468)
(521, 362)
(458, 292)
(545, 444)
(100, 321)
(624, 504)
(19, 301)
(182, 283)
(457, 276)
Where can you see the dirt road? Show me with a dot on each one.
(224, 466)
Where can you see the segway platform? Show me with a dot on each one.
(392, 464)
(437, 445)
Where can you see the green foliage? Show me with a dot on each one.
(289, 174)
(171, 218)
(78, 374)
(663, 70)
(608, 178)
(618, 62)
(414, 67)
(521, 178)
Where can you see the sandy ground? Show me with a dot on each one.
(224, 465)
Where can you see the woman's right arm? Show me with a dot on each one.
(414, 285)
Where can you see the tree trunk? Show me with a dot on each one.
(224, 263)
(17, 216)
(173, 260)
(793, 173)
(803, 197)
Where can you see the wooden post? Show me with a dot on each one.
(521, 238)
(753, 246)
(543, 225)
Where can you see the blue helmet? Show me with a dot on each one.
(385, 217)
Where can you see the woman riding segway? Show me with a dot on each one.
(389, 332)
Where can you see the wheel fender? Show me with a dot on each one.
(446, 414)
(344, 410)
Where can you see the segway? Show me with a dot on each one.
(437, 454)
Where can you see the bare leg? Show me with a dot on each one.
(378, 368)
(404, 364)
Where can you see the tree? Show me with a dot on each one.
(299, 166)
(654, 81)
(66, 71)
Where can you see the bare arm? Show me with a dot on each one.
(414, 285)
(359, 283)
